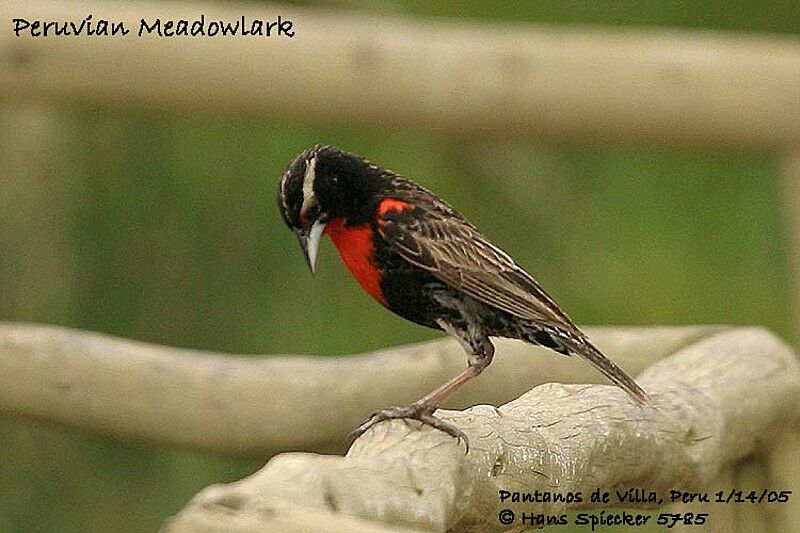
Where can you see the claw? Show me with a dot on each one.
(446, 427)
(415, 411)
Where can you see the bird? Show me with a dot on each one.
(423, 260)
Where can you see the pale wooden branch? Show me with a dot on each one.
(251, 406)
(465, 78)
(714, 402)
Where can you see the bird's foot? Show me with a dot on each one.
(416, 411)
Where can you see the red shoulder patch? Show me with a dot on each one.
(391, 204)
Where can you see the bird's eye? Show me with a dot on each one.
(312, 214)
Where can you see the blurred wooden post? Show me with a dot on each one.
(34, 213)
(784, 474)
(790, 170)
(751, 475)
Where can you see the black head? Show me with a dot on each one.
(323, 184)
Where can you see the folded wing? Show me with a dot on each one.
(454, 251)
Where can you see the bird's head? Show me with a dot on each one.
(321, 185)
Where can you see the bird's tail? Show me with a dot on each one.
(568, 344)
(606, 366)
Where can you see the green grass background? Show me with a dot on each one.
(163, 228)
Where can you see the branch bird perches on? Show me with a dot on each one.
(719, 392)
(716, 401)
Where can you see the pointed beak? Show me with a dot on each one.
(309, 242)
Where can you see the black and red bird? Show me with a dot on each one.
(421, 259)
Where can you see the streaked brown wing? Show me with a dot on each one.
(458, 254)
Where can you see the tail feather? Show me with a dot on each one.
(610, 370)
(568, 344)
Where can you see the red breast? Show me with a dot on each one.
(356, 248)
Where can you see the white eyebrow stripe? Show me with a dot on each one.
(308, 185)
(284, 179)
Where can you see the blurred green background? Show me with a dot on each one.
(164, 228)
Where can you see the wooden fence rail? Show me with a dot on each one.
(256, 406)
(499, 79)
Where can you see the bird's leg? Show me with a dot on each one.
(424, 408)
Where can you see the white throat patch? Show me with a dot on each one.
(308, 186)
